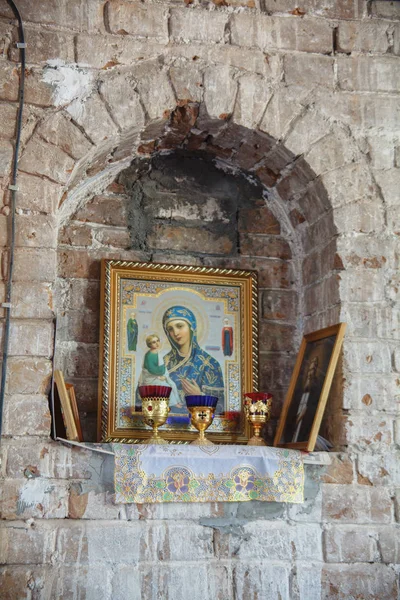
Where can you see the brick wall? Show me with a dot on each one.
(305, 101)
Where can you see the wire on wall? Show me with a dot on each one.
(13, 189)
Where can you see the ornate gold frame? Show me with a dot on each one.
(111, 273)
(335, 330)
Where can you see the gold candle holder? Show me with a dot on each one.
(257, 408)
(155, 413)
(202, 417)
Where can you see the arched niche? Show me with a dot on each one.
(190, 189)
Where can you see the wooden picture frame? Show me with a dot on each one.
(75, 412)
(309, 387)
(219, 354)
(72, 430)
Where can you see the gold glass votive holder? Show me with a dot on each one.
(257, 408)
(155, 413)
(201, 418)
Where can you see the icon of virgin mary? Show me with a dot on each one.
(193, 370)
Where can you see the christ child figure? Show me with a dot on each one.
(154, 371)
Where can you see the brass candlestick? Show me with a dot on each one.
(202, 417)
(257, 408)
(155, 413)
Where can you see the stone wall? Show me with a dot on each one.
(303, 100)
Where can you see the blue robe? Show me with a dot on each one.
(198, 365)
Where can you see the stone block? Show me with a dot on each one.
(258, 220)
(342, 9)
(170, 237)
(94, 505)
(36, 194)
(382, 150)
(306, 131)
(40, 158)
(340, 471)
(361, 286)
(367, 357)
(308, 69)
(187, 79)
(307, 580)
(275, 337)
(186, 579)
(155, 88)
(389, 544)
(108, 51)
(73, 14)
(262, 245)
(60, 131)
(32, 300)
(373, 432)
(28, 375)
(321, 295)
(37, 91)
(45, 45)
(36, 231)
(78, 326)
(26, 415)
(366, 581)
(33, 264)
(135, 19)
(79, 263)
(119, 92)
(89, 114)
(79, 294)
(189, 25)
(362, 391)
(257, 579)
(24, 545)
(279, 306)
(368, 74)
(76, 234)
(105, 211)
(8, 116)
(9, 83)
(361, 217)
(304, 35)
(348, 184)
(332, 151)
(252, 99)
(372, 36)
(351, 544)
(379, 469)
(389, 182)
(220, 91)
(284, 106)
(17, 582)
(116, 238)
(31, 338)
(356, 504)
(384, 9)
(35, 498)
(80, 360)
(393, 220)
(251, 30)
(6, 157)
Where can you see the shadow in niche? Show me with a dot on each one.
(203, 191)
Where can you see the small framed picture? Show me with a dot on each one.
(69, 409)
(191, 328)
(309, 387)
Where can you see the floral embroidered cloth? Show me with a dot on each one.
(186, 473)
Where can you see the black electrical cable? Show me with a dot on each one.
(13, 186)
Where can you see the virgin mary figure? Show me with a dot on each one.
(193, 370)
